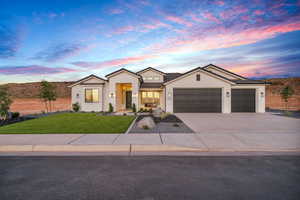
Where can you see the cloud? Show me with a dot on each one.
(114, 62)
(115, 11)
(210, 17)
(123, 29)
(60, 52)
(179, 20)
(9, 41)
(33, 70)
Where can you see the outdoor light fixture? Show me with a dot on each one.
(134, 95)
(111, 95)
(227, 94)
(262, 94)
(169, 94)
(77, 95)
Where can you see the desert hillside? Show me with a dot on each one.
(31, 90)
(26, 95)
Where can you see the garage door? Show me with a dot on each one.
(243, 100)
(196, 100)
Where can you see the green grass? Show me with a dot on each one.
(70, 123)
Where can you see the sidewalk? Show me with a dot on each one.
(210, 142)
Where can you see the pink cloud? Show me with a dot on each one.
(259, 12)
(220, 3)
(235, 11)
(33, 70)
(221, 37)
(114, 62)
(155, 25)
(179, 20)
(196, 18)
(210, 17)
(123, 29)
(115, 11)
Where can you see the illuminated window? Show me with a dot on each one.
(91, 95)
(150, 97)
(150, 94)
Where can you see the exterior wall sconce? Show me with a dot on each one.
(262, 95)
(77, 95)
(227, 94)
(134, 95)
(111, 95)
(169, 94)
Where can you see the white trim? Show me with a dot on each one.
(86, 79)
(122, 71)
(199, 70)
(221, 70)
(151, 69)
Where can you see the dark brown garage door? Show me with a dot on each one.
(197, 100)
(243, 100)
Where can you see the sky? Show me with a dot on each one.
(66, 40)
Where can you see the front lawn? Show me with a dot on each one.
(70, 123)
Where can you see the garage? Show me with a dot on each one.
(197, 100)
(243, 100)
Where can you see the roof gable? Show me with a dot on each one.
(151, 69)
(87, 78)
(202, 70)
(224, 71)
(122, 70)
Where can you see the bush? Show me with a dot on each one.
(164, 115)
(15, 115)
(150, 110)
(145, 127)
(111, 108)
(141, 110)
(134, 108)
(76, 107)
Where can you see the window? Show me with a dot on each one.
(198, 77)
(156, 78)
(150, 97)
(91, 95)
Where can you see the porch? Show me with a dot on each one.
(123, 97)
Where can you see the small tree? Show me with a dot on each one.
(111, 108)
(134, 108)
(287, 93)
(47, 94)
(5, 102)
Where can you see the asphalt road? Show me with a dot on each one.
(150, 178)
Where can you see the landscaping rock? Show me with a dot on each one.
(146, 122)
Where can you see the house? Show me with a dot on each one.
(208, 89)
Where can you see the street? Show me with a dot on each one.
(150, 177)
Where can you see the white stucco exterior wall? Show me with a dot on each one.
(80, 90)
(151, 73)
(206, 81)
(222, 73)
(123, 77)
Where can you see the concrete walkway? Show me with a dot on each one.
(209, 142)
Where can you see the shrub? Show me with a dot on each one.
(15, 115)
(164, 115)
(176, 125)
(5, 102)
(141, 110)
(134, 108)
(150, 110)
(111, 108)
(145, 127)
(76, 107)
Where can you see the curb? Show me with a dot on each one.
(128, 148)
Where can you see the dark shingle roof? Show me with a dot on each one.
(151, 85)
(171, 76)
(248, 81)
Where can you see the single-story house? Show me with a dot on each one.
(208, 89)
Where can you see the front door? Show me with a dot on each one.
(128, 99)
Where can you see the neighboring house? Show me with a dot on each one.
(208, 89)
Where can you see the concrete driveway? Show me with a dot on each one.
(240, 123)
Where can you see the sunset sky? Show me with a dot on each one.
(65, 40)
